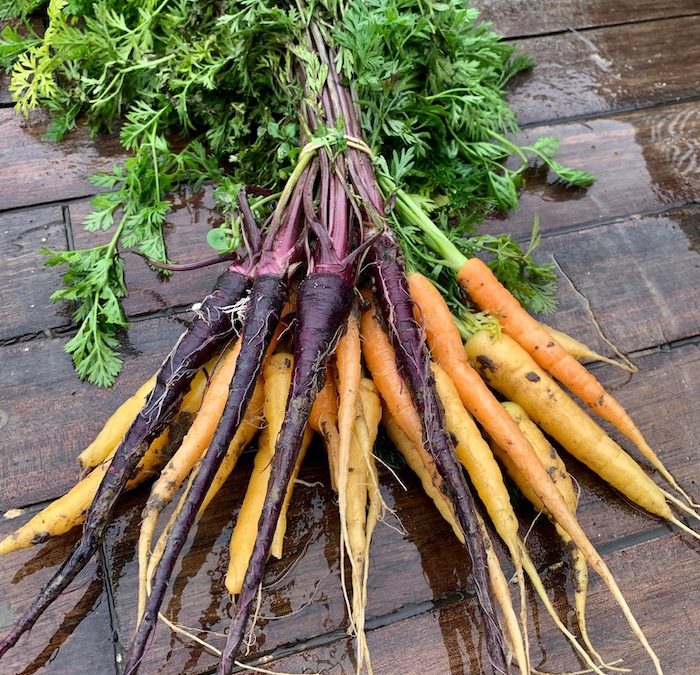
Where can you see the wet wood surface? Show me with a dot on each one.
(536, 17)
(620, 91)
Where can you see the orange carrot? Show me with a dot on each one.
(446, 345)
(490, 295)
(556, 468)
(324, 421)
(181, 463)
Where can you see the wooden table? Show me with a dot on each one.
(617, 82)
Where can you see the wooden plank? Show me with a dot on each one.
(191, 216)
(515, 18)
(608, 69)
(45, 172)
(637, 278)
(27, 283)
(445, 639)
(49, 415)
(643, 161)
(74, 635)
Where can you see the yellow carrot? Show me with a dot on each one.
(416, 460)
(490, 295)
(68, 511)
(114, 429)
(581, 351)
(510, 370)
(277, 375)
(475, 455)
(557, 470)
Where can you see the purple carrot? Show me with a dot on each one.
(324, 303)
(413, 360)
(267, 296)
(323, 306)
(213, 324)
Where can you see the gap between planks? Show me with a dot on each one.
(519, 37)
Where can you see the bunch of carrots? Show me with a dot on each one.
(317, 327)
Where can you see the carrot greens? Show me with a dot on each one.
(430, 87)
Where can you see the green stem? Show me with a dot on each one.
(516, 149)
(265, 200)
(305, 156)
(413, 214)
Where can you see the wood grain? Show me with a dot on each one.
(604, 70)
(74, 635)
(515, 18)
(637, 278)
(443, 639)
(44, 172)
(49, 416)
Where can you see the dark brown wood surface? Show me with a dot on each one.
(617, 82)
(536, 17)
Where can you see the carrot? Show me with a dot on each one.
(413, 359)
(277, 375)
(324, 303)
(381, 363)
(349, 368)
(475, 455)
(244, 435)
(114, 429)
(445, 343)
(361, 485)
(191, 449)
(278, 379)
(490, 295)
(581, 351)
(509, 369)
(557, 470)
(263, 310)
(323, 419)
(417, 460)
(68, 511)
